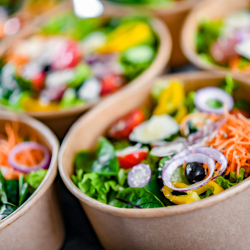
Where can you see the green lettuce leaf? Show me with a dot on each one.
(102, 161)
(99, 187)
(35, 178)
(232, 181)
(134, 197)
(23, 190)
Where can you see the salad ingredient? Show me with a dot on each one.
(170, 149)
(31, 164)
(232, 140)
(223, 50)
(17, 183)
(135, 197)
(172, 165)
(110, 84)
(158, 127)
(170, 99)
(195, 172)
(205, 95)
(122, 128)
(131, 156)
(139, 175)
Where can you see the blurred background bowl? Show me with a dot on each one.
(206, 224)
(209, 9)
(173, 14)
(61, 120)
(37, 224)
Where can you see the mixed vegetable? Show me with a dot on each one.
(225, 42)
(11, 21)
(72, 61)
(23, 165)
(193, 146)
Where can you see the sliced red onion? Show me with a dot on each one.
(204, 94)
(173, 164)
(216, 155)
(139, 175)
(170, 149)
(28, 146)
(206, 130)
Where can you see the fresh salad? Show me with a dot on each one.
(23, 165)
(73, 61)
(183, 148)
(225, 42)
(11, 21)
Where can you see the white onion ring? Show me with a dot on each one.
(173, 164)
(25, 146)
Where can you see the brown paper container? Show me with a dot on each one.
(37, 224)
(212, 223)
(210, 9)
(60, 121)
(173, 15)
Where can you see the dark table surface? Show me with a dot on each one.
(79, 232)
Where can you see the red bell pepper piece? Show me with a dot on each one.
(122, 128)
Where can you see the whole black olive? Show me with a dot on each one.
(46, 68)
(195, 172)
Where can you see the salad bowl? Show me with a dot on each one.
(188, 226)
(37, 223)
(173, 13)
(216, 21)
(61, 119)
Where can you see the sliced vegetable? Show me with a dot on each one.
(205, 94)
(131, 156)
(139, 175)
(159, 127)
(12, 158)
(122, 128)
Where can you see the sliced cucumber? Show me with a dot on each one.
(139, 54)
(158, 128)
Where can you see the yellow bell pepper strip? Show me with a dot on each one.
(217, 188)
(171, 100)
(30, 104)
(191, 195)
(180, 199)
(126, 36)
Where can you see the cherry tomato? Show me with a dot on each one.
(39, 80)
(130, 160)
(110, 84)
(223, 50)
(67, 56)
(240, 111)
(122, 128)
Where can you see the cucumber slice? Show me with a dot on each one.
(158, 128)
(139, 54)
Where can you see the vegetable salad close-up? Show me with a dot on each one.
(225, 41)
(184, 148)
(70, 62)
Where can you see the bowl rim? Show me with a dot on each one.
(156, 67)
(52, 170)
(170, 8)
(152, 212)
(187, 49)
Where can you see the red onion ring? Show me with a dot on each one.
(24, 146)
(139, 175)
(173, 164)
(206, 130)
(202, 95)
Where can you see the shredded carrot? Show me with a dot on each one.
(26, 157)
(233, 140)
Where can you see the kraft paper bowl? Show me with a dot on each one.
(212, 223)
(209, 9)
(37, 224)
